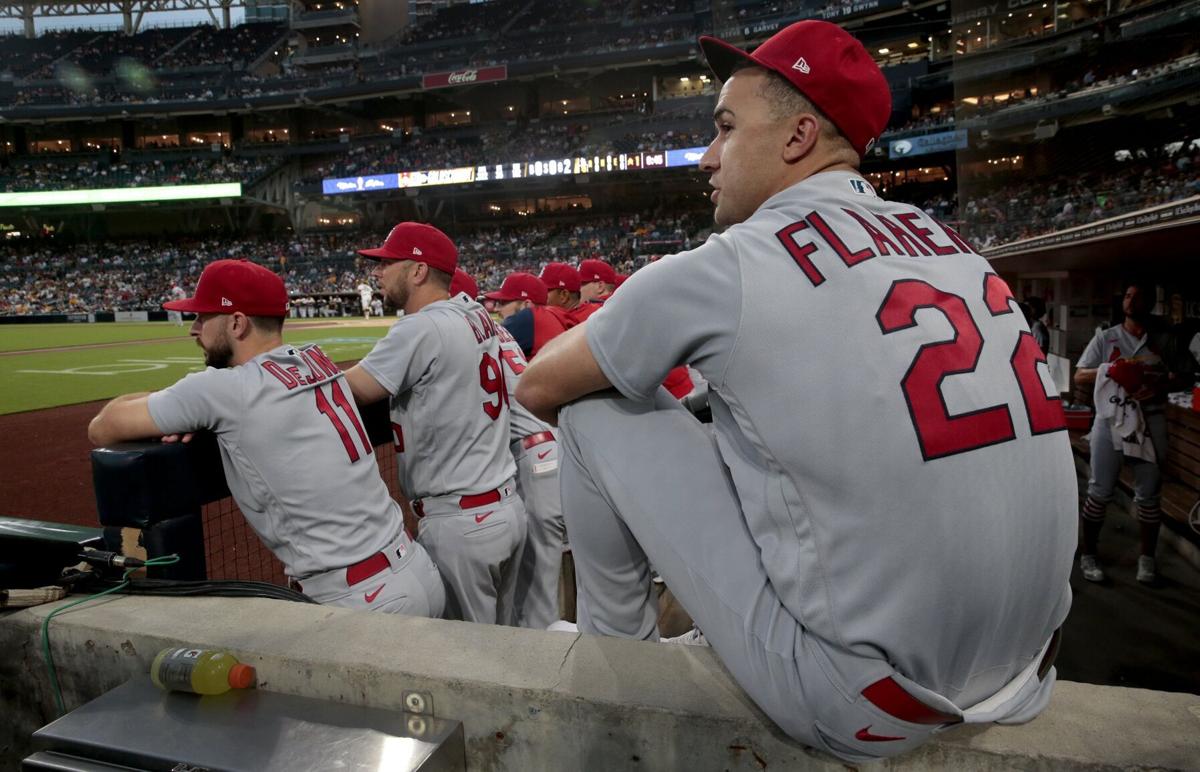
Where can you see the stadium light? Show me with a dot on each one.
(101, 196)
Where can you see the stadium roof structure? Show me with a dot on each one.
(131, 11)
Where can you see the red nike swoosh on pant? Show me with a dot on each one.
(371, 596)
(543, 455)
(865, 735)
(480, 518)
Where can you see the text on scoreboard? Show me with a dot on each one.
(612, 162)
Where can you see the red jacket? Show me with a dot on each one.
(583, 311)
(547, 324)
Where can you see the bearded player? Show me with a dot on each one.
(293, 446)
(441, 368)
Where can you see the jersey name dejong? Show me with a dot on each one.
(320, 368)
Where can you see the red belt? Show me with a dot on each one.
(466, 502)
(365, 569)
(536, 439)
(359, 572)
(479, 499)
(887, 695)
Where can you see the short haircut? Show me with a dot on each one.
(439, 277)
(267, 325)
(785, 99)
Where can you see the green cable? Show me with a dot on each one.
(165, 560)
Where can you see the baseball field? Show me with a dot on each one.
(54, 378)
(50, 365)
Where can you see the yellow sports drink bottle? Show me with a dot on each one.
(200, 671)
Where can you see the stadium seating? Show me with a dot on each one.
(42, 277)
(73, 171)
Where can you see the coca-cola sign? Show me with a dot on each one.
(463, 77)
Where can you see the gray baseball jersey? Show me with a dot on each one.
(895, 443)
(536, 601)
(1116, 343)
(443, 368)
(295, 453)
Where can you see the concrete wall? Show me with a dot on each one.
(537, 700)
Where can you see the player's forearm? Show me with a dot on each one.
(563, 371)
(1086, 376)
(123, 418)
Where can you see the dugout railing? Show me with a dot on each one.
(157, 498)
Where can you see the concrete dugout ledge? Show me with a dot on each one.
(532, 700)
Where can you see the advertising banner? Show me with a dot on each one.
(465, 76)
(928, 143)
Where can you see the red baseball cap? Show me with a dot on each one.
(463, 282)
(596, 270)
(560, 276)
(520, 286)
(420, 242)
(828, 66)
(621, 277)
(226, 286)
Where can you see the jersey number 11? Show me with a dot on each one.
(330, 412)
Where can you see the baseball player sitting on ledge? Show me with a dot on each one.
(877, 534)
(295, 452)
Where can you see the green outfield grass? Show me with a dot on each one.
(22, 337)
(33, 380)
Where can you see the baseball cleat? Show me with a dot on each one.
(1146, 573)
(1090, 568)
(692, 637)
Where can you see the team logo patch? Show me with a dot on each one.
(226, 301)
(802, 66)
(860, 187)
(417, 251)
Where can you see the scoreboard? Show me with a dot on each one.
(550, 167)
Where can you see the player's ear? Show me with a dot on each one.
(239, 325)
(805, 131)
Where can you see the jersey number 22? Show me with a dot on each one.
(939, 433)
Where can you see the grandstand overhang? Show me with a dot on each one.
(131, 11)
(1156, 240)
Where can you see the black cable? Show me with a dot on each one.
(211, 587)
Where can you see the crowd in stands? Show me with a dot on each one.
(991, 210)
(46, 276)
(42, 277)
(84, 67)
(20, 56)
(73, 172)
(1022, 207)
(234, 48)
(1093, 80)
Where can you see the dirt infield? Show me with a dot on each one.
(46, 465)
(47, 475)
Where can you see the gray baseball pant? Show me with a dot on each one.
(411, 584)
(536, 601)
(477, 551)
(1106, 463)
(643, 482)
